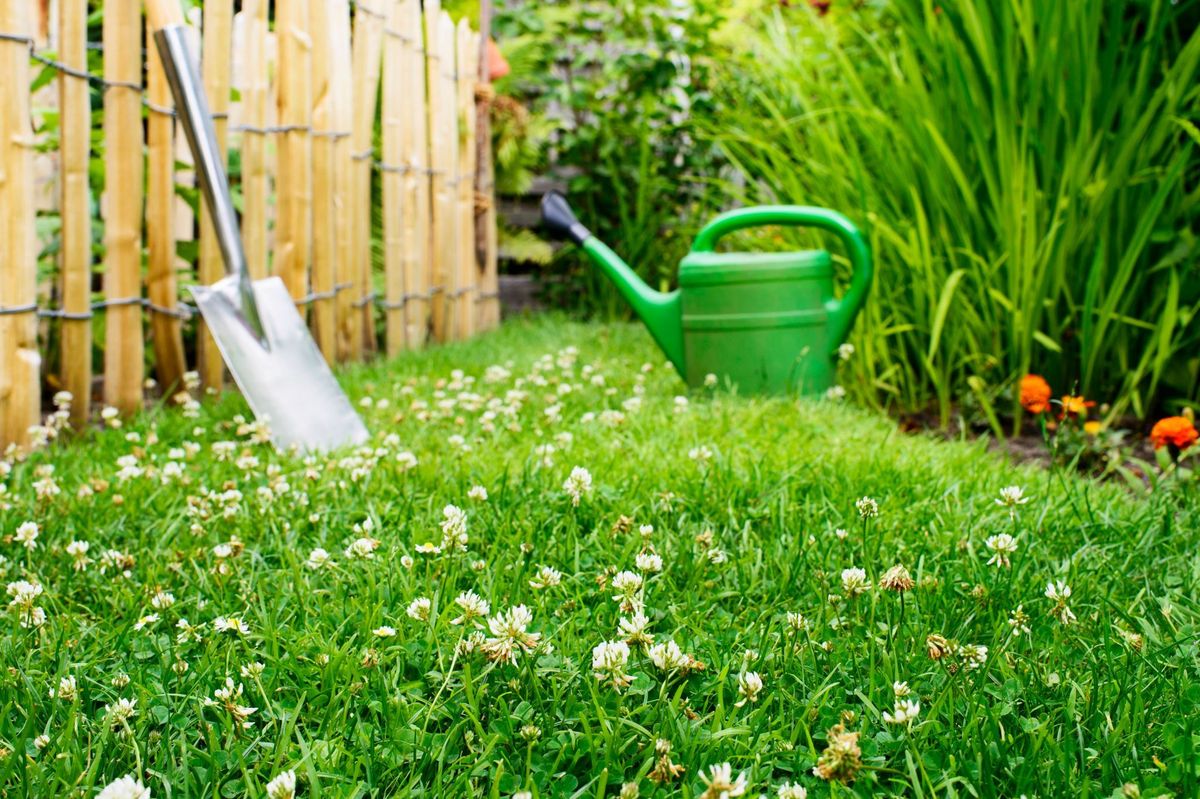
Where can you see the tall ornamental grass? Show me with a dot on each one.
(1027, 171)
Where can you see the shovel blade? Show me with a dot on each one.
(287, 384)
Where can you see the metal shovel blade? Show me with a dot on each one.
(287, 384)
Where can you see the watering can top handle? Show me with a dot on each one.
(841, 312)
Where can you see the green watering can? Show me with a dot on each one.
(765, 322)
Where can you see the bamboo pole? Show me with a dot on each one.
(439, 33)
(392, 115)
(437, 291)
(485, 181)
(413, 157)
(368, 47)
(255, 180)
(293, 182)
(76, 263)
(342, 78)
(167, 331)
(216, 60)
(19, 359)
(448, 146)
(124, 370)
(324, 241)
(465, 179)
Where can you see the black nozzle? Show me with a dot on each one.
(560, 220)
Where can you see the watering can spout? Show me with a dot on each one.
(660, 311)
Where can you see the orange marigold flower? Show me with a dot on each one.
(1177, 431)
(1075, 406)
(1035, 394)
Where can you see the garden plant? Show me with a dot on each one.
(555, 572)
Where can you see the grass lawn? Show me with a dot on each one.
(720, 592)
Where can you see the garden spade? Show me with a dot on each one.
(255, 324)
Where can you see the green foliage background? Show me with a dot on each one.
(1027, 172)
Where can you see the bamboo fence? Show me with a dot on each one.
(355, 122)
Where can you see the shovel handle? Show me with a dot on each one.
(163, 13)
(187, 88)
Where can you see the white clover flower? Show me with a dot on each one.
(362, 548)
(649, 562)
(973, 655)
(228, 697)
(634, 629)
(146, 621)
(797, 621)
(845, 351)
(627, 584)
(318, 558)
(835, 393)
(790, 791)
(1059, 592)
(253, 670)
(701, 454)
(162, 600)
(472, 607)
(667, 656)
(188, 632)
(233, 624)
(124, 788)
(609, 659)
(26, 535)
(1011, 497)
(546, 577)
(510, 635)
(66, 691)
(120, 712)
(478, 493)
(384, 631)
(1002, 546)
(855, 582)
(720, 784)
(454, 529)
(1018, 621)
(905, 711)
(750, 685)
(710, 380)
(420, 608)
(867, 507)
(578, 484)
(283, 786)
(900, 689)
(24, 598)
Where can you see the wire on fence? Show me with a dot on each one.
(181, 311)
(186, 311)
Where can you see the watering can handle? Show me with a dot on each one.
(841, 312)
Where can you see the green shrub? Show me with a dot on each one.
(1027, 172)
(623, 83)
